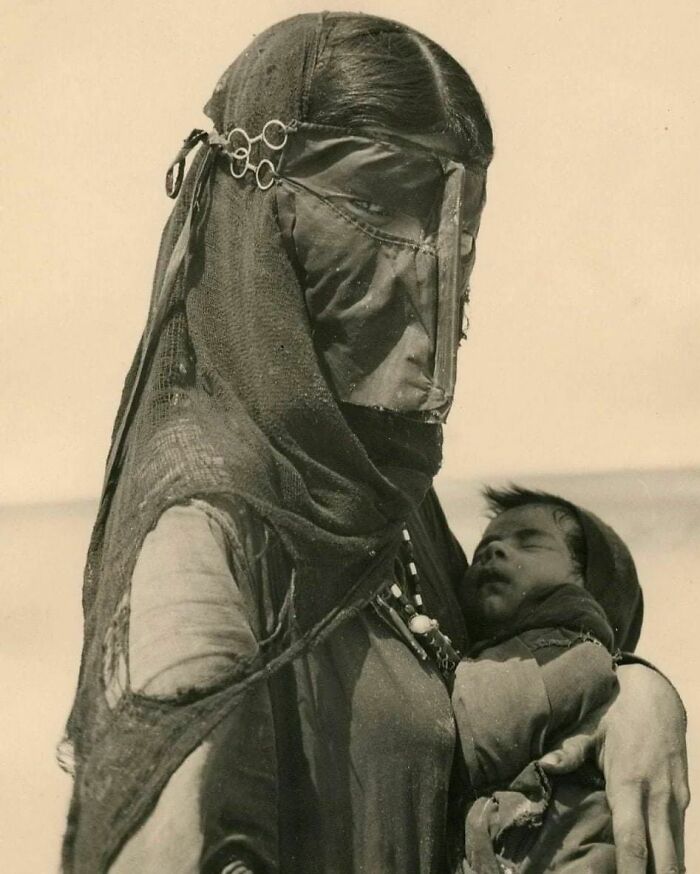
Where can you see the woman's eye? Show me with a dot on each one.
(372, 208)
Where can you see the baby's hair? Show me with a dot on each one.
(500, 500)
(378, 73)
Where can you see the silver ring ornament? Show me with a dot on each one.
(265, 163)
(282, 129)
(273, 136)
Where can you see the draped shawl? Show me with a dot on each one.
(225, 401)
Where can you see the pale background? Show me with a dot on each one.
(582, 369)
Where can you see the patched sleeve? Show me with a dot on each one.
(188, 628)
(512, 700)
(188, 625)
(502, 712)
(579, 676)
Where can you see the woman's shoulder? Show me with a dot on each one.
(229, 524)
(224, 536)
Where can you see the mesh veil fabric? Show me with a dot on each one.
(233, 406)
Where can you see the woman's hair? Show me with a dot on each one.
(377, 73)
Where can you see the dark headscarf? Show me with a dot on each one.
(611, 577)
(225, 400)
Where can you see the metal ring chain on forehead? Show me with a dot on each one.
(273, 136)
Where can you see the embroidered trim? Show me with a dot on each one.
(566, 642)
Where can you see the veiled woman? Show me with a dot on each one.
(254, 694)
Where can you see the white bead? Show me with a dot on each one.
(421, 624)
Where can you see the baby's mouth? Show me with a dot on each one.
(490, 579)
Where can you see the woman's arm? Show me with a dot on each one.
(639, 740)
(188, 628)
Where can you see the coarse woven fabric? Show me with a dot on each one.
(233, 407)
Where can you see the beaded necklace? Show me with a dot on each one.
(420, 631)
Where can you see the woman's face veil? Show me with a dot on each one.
(383, 232)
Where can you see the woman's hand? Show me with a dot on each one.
(639, 741)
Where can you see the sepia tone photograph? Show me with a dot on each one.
(350, 496)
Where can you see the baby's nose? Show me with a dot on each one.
(494, 549)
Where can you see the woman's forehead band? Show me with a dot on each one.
(238, 146)
(246, 153)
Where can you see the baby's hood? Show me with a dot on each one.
(611, 577)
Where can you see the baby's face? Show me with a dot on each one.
(522, 551)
